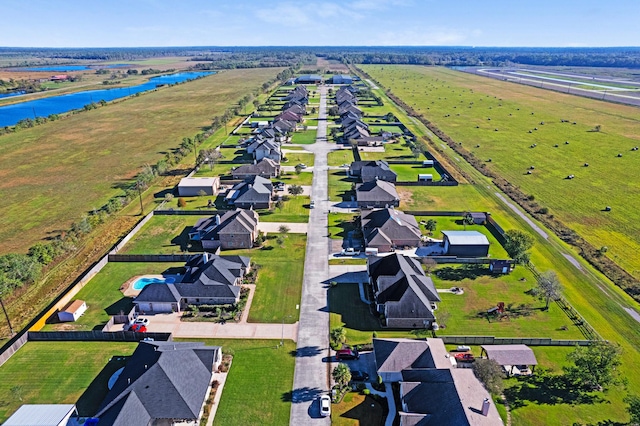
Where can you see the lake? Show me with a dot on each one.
(11, 114)
(63, 68)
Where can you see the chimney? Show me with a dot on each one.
(205, 257)
(129, 380)
(217, 219)
(146, 366)
(485, 407)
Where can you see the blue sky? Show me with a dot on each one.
(100, 23)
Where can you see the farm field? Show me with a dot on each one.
(258, 388)
(470, 109)
(65, 370)
(56, 180)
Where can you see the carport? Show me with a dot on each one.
(510, 357)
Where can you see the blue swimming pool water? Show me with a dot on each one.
(142, 282)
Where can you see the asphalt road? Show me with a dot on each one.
(311, 378)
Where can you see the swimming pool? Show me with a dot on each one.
(142, 282)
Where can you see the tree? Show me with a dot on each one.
(341, 374)
(298, 169)
(256, 103)
(633, 408)
(548, 286)
(334, 110)
(431, 225)
(338, 336)
(517, 243)
(182, 202)
(279, 204)
(295, 189)
(283, 229)
(595, 366)
(429, 264)
(489, 372)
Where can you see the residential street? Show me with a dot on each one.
(311, 377)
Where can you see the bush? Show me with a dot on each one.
(181, 202)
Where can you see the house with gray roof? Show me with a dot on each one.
(432, 390)
(163, 383)
(289, 116)
(389, 229)
(309, 79)
(403, 293)
(465, 243)
(253, 193)
(267, 168)
(341, 79)
(265, 148)
(372, 170)
(355, 132)
(208, 280)
(377, 194)
(234, 229)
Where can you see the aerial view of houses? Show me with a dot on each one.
(318, 235)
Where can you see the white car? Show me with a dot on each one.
(350, 252)
(141, 321)
(325, 406)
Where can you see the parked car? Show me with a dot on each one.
(138, 328)
(350, 252)
(347, 354)
(325, 405)
(141, 321)
(359, 376)
(302, 166)
(312, 204)
(466, 357)
(463, 348)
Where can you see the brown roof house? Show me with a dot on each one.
(267, 168)
(234, 229)
(377, 194)
(404, 295)
(388, 229)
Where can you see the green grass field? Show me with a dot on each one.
(340, 157)
(294, 158)
(258, 388)
(469, 109)
(60, 373)
(50, 173)
(295, 210)
(162, 235)
(305, 137)
(279, 285)
(340, 186)
(340, 224)
(104, 297)
(291, 178)
(410, 172)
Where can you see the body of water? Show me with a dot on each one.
(66, 68)
(8, 95)
(11, 114)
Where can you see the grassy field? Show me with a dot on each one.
(295, 210)
(340, 157)
(410, 172)
(294, 158)
(259, 384)
(50, 173)
(104, 297)
(279, 284)
(291, 178)
(60, 373)
(469, 109)
(305, 137)
(162, 235)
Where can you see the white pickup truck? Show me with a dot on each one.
(350, 252)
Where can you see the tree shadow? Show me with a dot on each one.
(305, 394)
(90, 400)
(548, 389)
(307, 351)
(182, 240)
(471, 272)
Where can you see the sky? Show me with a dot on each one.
(132, 23)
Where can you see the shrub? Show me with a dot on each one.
(182, 202)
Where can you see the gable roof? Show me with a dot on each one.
(236, 221)
(40, 415)
(389, 225)
(376, 190)
(397, 355)
(511, 354)
(265, 166)
(162, 380)
(467, 238)
(378, 168)
(255, 189)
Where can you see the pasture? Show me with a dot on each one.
(54, 173)
(470, 109)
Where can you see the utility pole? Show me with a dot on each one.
(11, 327)
(138, 185)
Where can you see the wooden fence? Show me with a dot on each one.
(95, 335)
(149, 257)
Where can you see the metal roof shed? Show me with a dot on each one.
(41, 415)
(510, 355)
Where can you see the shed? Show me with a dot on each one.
(465, 243)
(510, 357)
(42, 415)
(425, 178)
(191, 186)
(73, 311)
(427, 163)
(500, 266)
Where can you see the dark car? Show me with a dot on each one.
(359, 376)
(346, 354)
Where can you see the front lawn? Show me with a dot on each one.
(104, 297)
(340, 224)
(280, 274)
(258, 388)
(340, 157)
(340, 186)
(292, 178)
(60, 373)
(359, 410)
(296, 210)
(304, 137)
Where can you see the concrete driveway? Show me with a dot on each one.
(272, 227)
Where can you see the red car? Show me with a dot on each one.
(465, 357)
(139, 328)
(346, 354)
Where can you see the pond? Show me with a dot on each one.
(11, 114)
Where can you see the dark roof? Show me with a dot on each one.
(255, 189)
(162, 380)
(379, 169)
(389, 225)
(398, 355)
(308, 77)
(511, 354)
(438, 402)
(160, 293)
(264, 166)
(376, 191)
(236, 221)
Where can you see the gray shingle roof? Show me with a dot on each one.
(389, 225)
(397, 355)
(266, 166)
(511, 354)
(162, 380)
(377, 191)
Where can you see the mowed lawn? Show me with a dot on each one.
(470, 108)
(60, 373)
(54, 173)
(258, 388)
(104, 297)
(279, 284)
